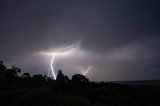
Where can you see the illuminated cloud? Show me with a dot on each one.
(73, 51)
(120, 40)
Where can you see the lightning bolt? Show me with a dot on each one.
(62, 52)
(52, 69)
(59, 52)
(85, 72)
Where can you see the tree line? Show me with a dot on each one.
(40, 90)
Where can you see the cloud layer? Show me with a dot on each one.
(119, 39)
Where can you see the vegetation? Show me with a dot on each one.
(40, 90)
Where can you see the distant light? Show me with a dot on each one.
(86, 71)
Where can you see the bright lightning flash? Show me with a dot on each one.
(59, 52)
(86, 71)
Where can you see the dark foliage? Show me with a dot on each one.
(39, 90)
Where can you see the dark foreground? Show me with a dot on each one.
(40, 90)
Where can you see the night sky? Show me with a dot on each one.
(118, 39)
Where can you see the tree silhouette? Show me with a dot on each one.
(26, 76)
(12, 73)
(61, 80)
(2, 67)
(60, 76)
(15, 70)
(2, 70)
(38, 79)
(79, 79)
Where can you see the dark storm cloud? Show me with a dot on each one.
(125, 22)
(122, 36)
